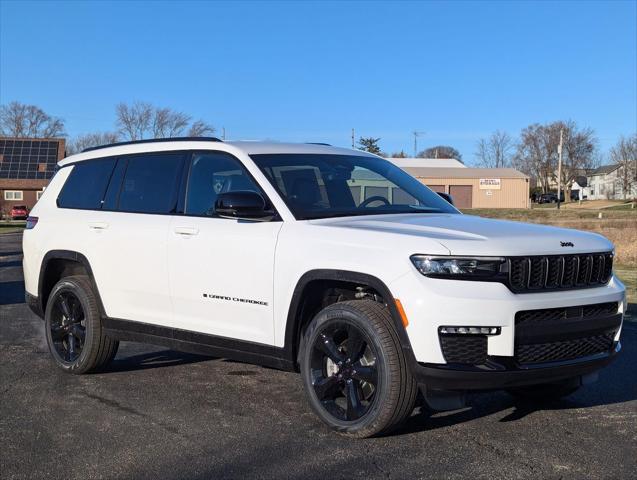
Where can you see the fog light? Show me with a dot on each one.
(469, 330)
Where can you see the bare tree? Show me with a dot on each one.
(537, 153)
(21, 120)
(143, 120)
(400, 154)
(624, 154)
(167, 123)
(495, 151)
(134, 121)
(79, 143)
(441, 151)
(199, 128)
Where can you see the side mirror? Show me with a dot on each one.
(241, 204)
(446, 196)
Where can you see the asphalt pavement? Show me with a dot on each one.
(162, 414)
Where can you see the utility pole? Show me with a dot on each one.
(559, 169)
(223, 133)
(416, 135)
(352, 138)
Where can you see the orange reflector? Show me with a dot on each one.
(401, 311)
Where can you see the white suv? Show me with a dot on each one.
(307, 257)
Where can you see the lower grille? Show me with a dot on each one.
(467, 349)
(565, 333)
(549, 315)
(565, 349)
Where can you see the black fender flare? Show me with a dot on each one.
(292, 330)
(75, 257)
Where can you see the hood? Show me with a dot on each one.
(471, 235)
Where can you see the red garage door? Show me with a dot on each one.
(462, 195)
(437, 188)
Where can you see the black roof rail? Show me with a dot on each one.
(318, 143)
(154, 140)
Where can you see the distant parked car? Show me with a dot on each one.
(19, 212)
(549, 198)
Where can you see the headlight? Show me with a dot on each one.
(458, 267)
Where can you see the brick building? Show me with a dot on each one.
(26, 166)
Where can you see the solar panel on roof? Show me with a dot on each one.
(28, 159)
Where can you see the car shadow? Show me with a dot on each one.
(10, 254)
(161, 359)
(12, 263)
(611, 388)
(11, 292)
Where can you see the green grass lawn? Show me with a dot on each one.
(11, 227)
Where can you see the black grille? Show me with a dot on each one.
(530, 274)
(548, 315)
(565, 333)
(564, 349)
(468, 349)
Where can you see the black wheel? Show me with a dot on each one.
(73, 327)
(546, 391)
(354, 372)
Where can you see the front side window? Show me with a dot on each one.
(86, 184)
(212, 173)
(322, 186)
(150, 183)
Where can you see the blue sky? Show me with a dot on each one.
(303, 71)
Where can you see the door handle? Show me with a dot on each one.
(187, 231)
(98, 225)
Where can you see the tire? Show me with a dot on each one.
(73, 327)
(546, 391)
(359, 334)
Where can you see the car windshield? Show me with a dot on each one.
(322, 186)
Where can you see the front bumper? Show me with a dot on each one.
(502, 373)
(433, 303)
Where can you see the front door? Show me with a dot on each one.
(221, 270)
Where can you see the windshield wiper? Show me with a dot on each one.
(424, 209)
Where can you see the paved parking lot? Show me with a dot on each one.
(163, 414)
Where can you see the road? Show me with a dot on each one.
(163, 414)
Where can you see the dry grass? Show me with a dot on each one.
(619, 226)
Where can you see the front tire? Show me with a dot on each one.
(354, 372)
(73, 327)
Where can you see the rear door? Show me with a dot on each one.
(127, 238)
(221, 270)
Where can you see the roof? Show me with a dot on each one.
(246, 147)
(427, 162)
(604, 170)
(29, 158)
(419, 172)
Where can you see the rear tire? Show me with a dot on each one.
(546, 391)
(73, 327)
(354, 372)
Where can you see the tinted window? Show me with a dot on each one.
(150, 183)
(86, 184)
(114, 186)
(212, 173)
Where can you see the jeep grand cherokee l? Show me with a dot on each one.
(328, 261)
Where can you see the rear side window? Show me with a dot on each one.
(86, 184)
(150, 183)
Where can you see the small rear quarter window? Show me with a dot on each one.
(86, 185)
